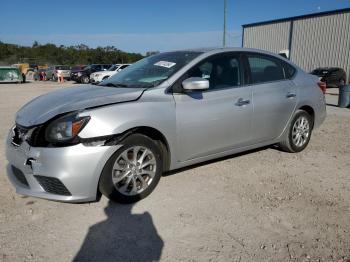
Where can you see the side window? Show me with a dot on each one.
(123, 66)
(221, 71)
(289, 70)
(264, 69)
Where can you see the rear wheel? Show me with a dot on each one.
(299, 133)
(133, 171)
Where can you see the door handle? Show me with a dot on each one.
(242, 102)
(291, 95)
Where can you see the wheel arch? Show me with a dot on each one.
(308, 109)
(154, 134)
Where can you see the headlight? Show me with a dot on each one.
(79, 74)
(65, 128)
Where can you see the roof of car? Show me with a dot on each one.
(328, 68)
(214, 50)
(5, 67)
(223, 49)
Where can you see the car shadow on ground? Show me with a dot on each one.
(123, 236)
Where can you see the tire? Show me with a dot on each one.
(120, 180)
(295, 130)
(85, 80)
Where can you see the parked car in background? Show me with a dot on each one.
(52, 71)
(83, 75)
(164, 112)
(77, 68)
(99, 76)
(10, 74)
(74, 70)
(42, 74)
(332, 76)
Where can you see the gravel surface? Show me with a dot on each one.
(264, 205)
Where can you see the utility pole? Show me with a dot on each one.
(225, 14)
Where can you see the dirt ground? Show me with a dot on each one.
(264, 205)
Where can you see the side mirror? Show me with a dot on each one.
(195, 83)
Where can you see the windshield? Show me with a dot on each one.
(63, 68)
(152, 70)
(77, 68)
(113, 68)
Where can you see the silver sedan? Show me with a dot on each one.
(164, 112)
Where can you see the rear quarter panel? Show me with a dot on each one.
(309, 94)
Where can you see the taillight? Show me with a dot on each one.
(322, 86)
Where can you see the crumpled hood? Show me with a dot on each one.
(47, 106)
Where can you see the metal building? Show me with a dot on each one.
(310, 41)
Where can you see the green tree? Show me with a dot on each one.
(67, 55)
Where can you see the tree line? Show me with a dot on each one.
(64, 55)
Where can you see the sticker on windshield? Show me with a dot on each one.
(165, 64)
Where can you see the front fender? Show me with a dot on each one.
(154, 109)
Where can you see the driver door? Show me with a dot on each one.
(218, 119)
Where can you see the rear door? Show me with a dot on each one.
(274, 96)
(218, 119)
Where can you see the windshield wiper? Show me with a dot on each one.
(115, 85)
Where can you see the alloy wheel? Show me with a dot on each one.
(301, 131)
(134, 170)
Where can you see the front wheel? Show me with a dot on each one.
(299, 133)
(85, 80)
(133, 171)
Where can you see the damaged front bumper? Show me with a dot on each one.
(69, 174)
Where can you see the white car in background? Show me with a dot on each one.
(98, 77)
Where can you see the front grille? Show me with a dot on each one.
(52, 185)
(19, 176)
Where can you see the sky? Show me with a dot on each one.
(143, 25)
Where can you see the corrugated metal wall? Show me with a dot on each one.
(270, 37)
(317, 41)
(322, 41)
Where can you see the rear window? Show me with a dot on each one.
(78, 68)
(289, 70)
(264, 69)
(96, 67)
